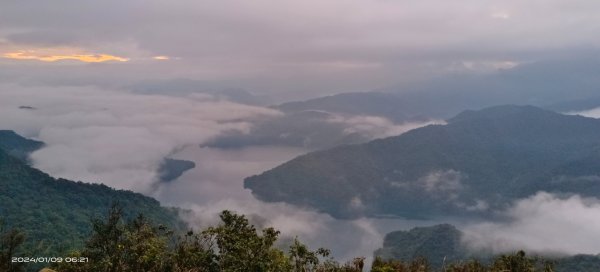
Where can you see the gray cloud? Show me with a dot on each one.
(306, 46)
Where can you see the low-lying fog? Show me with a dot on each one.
(216, 184)
(120, 138)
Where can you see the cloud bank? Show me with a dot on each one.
(374, 127)
(542, 223)
(113, 137)
(593, 113)
(120, 138)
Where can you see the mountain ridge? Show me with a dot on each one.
(475, 163)
(50, 209)
(18, 146)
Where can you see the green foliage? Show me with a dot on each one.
(520, 262)
(55, 213)
(517, 262)
(239, 246)
(10, 241)
(419, 264)
(233, 246)
(194, 252)
(116, 246)
(304, 260)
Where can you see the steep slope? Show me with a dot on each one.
(16, 145)
(55, 213)
(477, 162)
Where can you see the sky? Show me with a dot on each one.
(295, 49)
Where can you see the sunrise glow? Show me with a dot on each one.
(91, 58)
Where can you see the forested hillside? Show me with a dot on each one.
(475, 163)
(16, 145)
(55, 214)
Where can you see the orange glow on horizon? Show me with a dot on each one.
(161, 58)
(52, 58)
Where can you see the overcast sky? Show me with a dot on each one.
(303, 48)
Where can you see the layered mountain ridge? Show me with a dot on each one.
(478, 162)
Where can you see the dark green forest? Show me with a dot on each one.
(55, 213)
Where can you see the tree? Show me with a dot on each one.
(193, 253)
(240, 248)
(10, 241)
(416, 265)
(115, 246)
(519, 262)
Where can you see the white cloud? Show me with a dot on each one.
(593, 113)
(447, 181)
(113, 137)
(543, 223)
(374, 127)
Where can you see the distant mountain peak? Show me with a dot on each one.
(503, 111)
